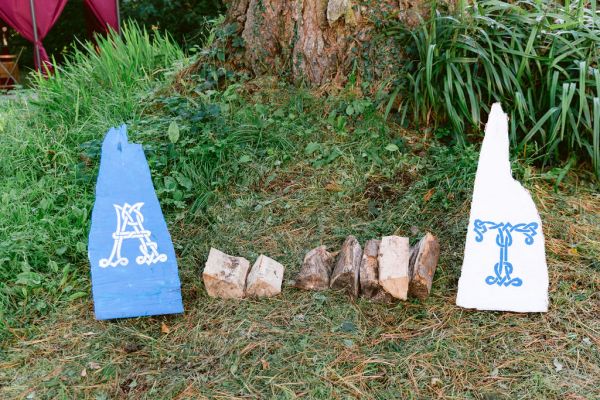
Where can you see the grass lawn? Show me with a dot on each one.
(262, 167)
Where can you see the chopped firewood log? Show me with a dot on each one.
(316, 270)
(224, 275)
(369, 274)
(345, 273)
(423, 262)
(369, 269)
(265, 277)
(394, 255)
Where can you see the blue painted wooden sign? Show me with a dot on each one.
(134, 269)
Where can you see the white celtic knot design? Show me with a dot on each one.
(130, 226)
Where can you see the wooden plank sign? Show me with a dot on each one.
(504, 267)
(133, 264)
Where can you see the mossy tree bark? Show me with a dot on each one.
(310, 40)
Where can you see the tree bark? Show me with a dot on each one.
(308, 40)
(369, 274)
(423, 262)
(316, 270)
(318, 41)
(345, 273)
(369, 269)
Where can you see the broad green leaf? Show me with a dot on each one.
(311, 148)
(173, 132)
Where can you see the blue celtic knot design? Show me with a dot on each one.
(504, 239)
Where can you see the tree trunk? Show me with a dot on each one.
(315, 41)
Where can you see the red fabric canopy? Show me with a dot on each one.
(106, 13)
(17, 14)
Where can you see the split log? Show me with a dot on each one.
(369, 274)
(394, 255)
(265, 277)
(224, 275)
(345, 273)
(423, 262)
(316, 270)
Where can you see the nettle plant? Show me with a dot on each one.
(538, 58)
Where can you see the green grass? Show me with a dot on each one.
(539, 58)
(263, 167)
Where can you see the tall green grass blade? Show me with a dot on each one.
(540, 123)
(533, 56)
(596, 137)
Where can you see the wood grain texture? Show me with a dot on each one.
(423, 263)
(316, 270)
(394, 255)
(346, 272)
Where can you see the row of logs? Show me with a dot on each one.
(386, 269)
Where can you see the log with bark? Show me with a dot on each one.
(423, 262)
(316, 270)
(369, 274)
(346, 272)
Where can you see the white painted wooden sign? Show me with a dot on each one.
(504, 267)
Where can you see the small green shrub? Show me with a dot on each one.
(185, 20)
(538, 58)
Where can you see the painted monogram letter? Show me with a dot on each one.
(130, 226)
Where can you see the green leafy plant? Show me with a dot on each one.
(186, 20)
(538, 58)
